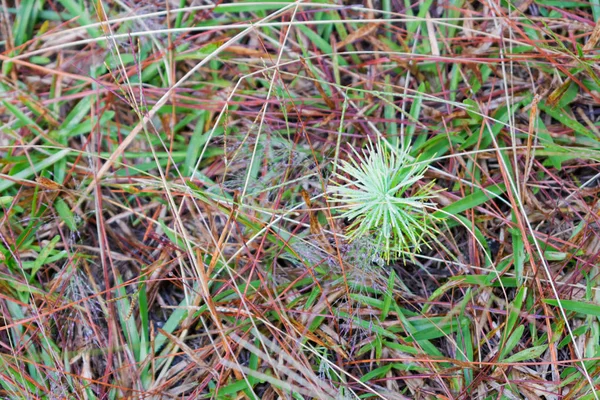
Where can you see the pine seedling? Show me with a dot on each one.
(376, 191)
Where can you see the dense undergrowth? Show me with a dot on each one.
(299, 200)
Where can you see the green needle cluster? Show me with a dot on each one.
(380, 194)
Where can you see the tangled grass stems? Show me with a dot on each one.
(377, 188)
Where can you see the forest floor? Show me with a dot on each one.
(300, 200)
